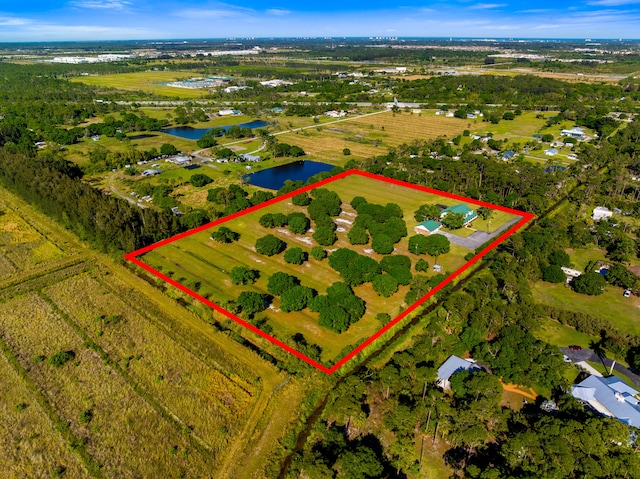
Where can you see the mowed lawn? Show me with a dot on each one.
(204, 265)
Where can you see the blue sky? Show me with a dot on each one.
(57, 20)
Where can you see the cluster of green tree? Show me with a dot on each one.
(526, 91)
(110, 224)
(293, 295)
(489, 316)
(324, 205)
(383, 223)
(311, 350)
(339, 308)
(354, 268)
(284, 149)
(234, 198)
(189, 114)
(225, 235)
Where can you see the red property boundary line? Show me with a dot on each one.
(525, 218)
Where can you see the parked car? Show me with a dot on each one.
(627, 293)
(575, 347)
(566, 358)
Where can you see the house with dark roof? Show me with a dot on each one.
(451, 366)
(611, 397)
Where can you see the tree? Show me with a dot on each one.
(225, 235)
(280, 282)
(301, 200)
(168, 149)
(296, 298)
(273, 220)
(298, 223)
(427, 212)
(346, 151)
(508, 115)
(251, 303)
(325, 236)
(553, 274)
(194, 218)
(200, 179)
(382, 244)
(318, 253)
(589, 283)
(421, 266)
(295, 256)
(559, 258)
(453, 221)
(385, 285)
(270, 245)
(243, 275)
(618, 275)
(437, 245)
(354, 268)
(418, 244)
(358, 235)
(398, 266)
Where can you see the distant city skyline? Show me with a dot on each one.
(80, 20)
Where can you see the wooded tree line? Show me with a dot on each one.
(109, 224)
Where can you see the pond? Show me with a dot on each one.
(191, 133)
(274, 178)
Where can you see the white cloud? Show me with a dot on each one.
(13, 21)
(217, 10)
(612, 3)
(486, 6)
(102, 4)
(278, 11)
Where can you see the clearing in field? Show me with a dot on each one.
(280, 281)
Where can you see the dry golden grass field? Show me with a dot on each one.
(150, 388)
(372, 135)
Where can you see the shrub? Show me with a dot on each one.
(61, 358)
(422, 266)
(589, 283)
(200, 179)
(553, 274)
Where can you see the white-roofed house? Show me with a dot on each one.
(610, 397)
(601, 212)
(452, 365)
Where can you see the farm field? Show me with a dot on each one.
(147, 389)
(372, 135)
(202, 265)
(148, 82)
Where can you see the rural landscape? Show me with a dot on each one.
(320, 258)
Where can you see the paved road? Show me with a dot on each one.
(478, 238)
(586, 354)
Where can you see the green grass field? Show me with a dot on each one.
(148, 82)
(624, 313)
(202, 264)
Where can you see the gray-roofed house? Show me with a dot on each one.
(452, 365)
(610, 397)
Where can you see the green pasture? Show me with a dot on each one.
(556, 334)
(148, 82)
(204, 265)
(624, 313)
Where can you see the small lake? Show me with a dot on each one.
(274, 178)
(196, 133)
